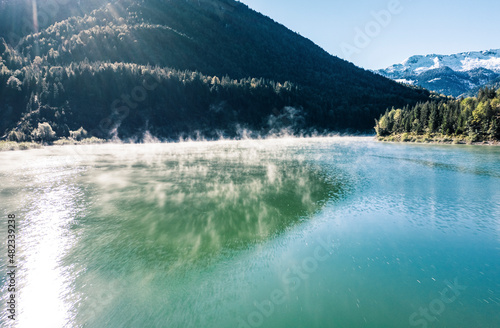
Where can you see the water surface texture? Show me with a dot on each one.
(326, 232)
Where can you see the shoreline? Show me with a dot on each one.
(27, 145)
(15, 145)
(435, 139)
(409, 139)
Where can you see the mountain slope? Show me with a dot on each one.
(452, 75)
(251, 71)
(493, 84)
(15, 15)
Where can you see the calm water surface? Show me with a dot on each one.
(327, 232)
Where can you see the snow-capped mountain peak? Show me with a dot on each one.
(462, 62)
(449, 74)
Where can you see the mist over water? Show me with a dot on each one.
(187, 206)
(200, 234)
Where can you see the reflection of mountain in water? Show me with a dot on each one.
(183, 208)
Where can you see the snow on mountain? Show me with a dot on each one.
(462, 62)
(405, 81)
(448, 74)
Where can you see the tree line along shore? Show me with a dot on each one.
(472, 120)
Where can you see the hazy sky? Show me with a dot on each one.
(348, 28)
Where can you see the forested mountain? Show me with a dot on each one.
(471, 119)
(493, 84)
(16, 16)
(453, 75)
(182, 67)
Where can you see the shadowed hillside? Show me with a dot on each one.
(180, 67)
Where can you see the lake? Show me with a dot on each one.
(320, 232)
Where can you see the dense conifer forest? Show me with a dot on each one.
(473, 119)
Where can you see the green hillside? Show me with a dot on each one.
(473, 119)
(212, 66)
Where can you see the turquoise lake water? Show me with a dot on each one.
(324, 232)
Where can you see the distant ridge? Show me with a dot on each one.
(453, 75)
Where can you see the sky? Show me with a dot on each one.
(375, 34)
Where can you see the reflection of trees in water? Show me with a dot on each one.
(228, 206)
(181, 210)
